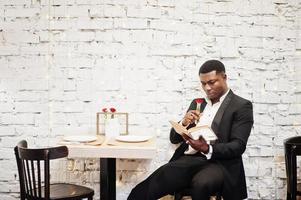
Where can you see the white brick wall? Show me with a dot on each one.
(62, 61)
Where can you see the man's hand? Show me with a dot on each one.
(190, 117)
(199, 145)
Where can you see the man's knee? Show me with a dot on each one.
(137, 192)
(211, 183)
(202, 183)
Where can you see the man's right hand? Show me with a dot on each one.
(190, 117)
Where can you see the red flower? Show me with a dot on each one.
(104, 110)
(199, 101)
(112, 110)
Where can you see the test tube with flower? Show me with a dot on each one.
(105, 110)
(113, 110)
(198, 105)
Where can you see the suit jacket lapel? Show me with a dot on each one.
(218, 117)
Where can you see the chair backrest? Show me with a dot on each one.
(33, 169)
(293, 145)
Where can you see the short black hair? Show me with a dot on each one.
(212, 65)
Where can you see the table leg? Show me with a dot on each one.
(108, 179)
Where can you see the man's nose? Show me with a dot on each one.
(207, 87)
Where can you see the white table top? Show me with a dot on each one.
(144, 150)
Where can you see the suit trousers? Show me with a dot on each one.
(202, 176)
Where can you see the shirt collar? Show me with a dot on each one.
(221, 99)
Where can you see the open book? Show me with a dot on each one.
(195, 132)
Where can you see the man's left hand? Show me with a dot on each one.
(199, 145)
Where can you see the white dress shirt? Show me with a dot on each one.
(206, 119)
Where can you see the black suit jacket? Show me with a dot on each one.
(232, 125)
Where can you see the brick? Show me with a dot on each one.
(70, 11)
(9, 196)
(6, 107)
(38, 85)
(20, 37)
(30, 107)
(21, 12)
(148, 12)
(75, 36)
(32, 96)
(169, 3)
(95, 24)
(231, 51)
(15, 2)
(130, 23)
(28, 68)
(125, 2)
(114, 11)
(7, 131)
(61, 24)
(67, 107)
(222, 7)
(9, 50)
(97, 11)
(34, 49)
(106, 36)
(18, 119)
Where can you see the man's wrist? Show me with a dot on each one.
(209, 153)
(205, 150)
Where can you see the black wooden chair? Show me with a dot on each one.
(187, 192)
(292, 148)
(34, 175)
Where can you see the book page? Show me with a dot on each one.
(180, 129)
(204, 131)
(195, 132)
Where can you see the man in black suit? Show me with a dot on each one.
(204, 167)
